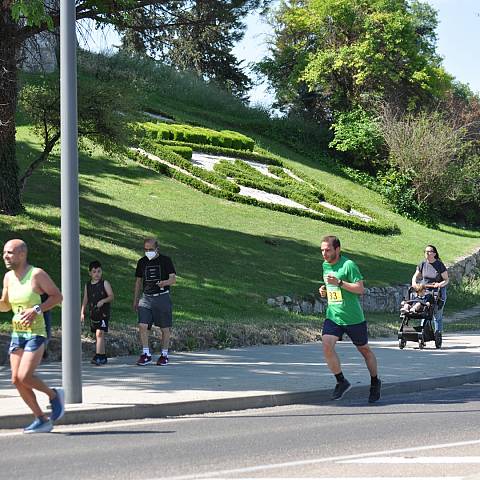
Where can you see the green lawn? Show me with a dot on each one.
(226, 268)
(227, 264)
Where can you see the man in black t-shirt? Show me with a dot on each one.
(154, 275)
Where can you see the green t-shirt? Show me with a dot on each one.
(343, 307)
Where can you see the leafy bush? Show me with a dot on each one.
(357, 134)
(398, 189)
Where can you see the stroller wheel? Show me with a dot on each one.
(402, 343)
(438, 339)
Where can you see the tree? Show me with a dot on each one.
(429, 150)
(102, 112)
(331, 56)
(203, 43)
(22, 19)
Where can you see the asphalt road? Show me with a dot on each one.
(434, 434)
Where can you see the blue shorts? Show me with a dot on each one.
(358, 333)
(30, 344)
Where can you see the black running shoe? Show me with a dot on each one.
(341, 389)
(375, 392)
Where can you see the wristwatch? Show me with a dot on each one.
(37, 309)
(340, 282)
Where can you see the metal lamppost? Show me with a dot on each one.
(71, 342)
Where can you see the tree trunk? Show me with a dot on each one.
(10, 203)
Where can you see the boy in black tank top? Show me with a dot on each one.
(98, 295)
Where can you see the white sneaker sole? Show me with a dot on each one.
(45, 429)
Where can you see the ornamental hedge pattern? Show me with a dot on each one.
(174, 143)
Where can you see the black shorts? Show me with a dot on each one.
(99, 325)
(358, 333)
(155, 310)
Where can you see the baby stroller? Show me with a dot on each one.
(417, 323)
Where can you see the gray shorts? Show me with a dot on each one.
(155, 310)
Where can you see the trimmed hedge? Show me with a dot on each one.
(185, 152)
(197, 135)
(348, 222)
(308, 193)
(227, 152)
(211, 177)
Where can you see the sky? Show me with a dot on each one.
(458, 39)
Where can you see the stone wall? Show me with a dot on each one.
(466, 266)
(375, 299)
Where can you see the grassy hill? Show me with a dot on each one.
(226, 260)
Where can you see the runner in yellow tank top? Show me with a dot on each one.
(21, 297)
(22, 287)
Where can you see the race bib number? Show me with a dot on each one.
(334, 295)
(17, 324)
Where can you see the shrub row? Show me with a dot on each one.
(211, 177)
(227, 152)
(185, 152)
(327, 193)
(347, 222)
(286, 187)
(198, 135)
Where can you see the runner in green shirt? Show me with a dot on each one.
(343, 286)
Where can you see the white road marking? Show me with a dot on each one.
(340, 478)
(429, 460)
(314, 461)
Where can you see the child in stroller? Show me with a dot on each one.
(420, 305)
(421, 301)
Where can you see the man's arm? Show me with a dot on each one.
(136, 292)
(172, 280)
(47, 285)
(4, 303)
(353, 287)
(42, 281)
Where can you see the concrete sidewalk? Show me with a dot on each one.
(233, 379)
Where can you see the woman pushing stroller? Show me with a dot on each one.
(432, 273)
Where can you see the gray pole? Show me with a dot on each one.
(71, 343)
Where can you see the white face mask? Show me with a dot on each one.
(150, 255)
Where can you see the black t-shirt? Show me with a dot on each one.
(152, 271)
(431, 272)
(95, 293)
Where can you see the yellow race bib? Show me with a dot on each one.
(334, 294)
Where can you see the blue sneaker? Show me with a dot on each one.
(39, 425)
(58, 405)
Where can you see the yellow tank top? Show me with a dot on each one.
(21, 296)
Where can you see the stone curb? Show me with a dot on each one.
(199, 407)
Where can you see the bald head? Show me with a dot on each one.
(15, 254)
